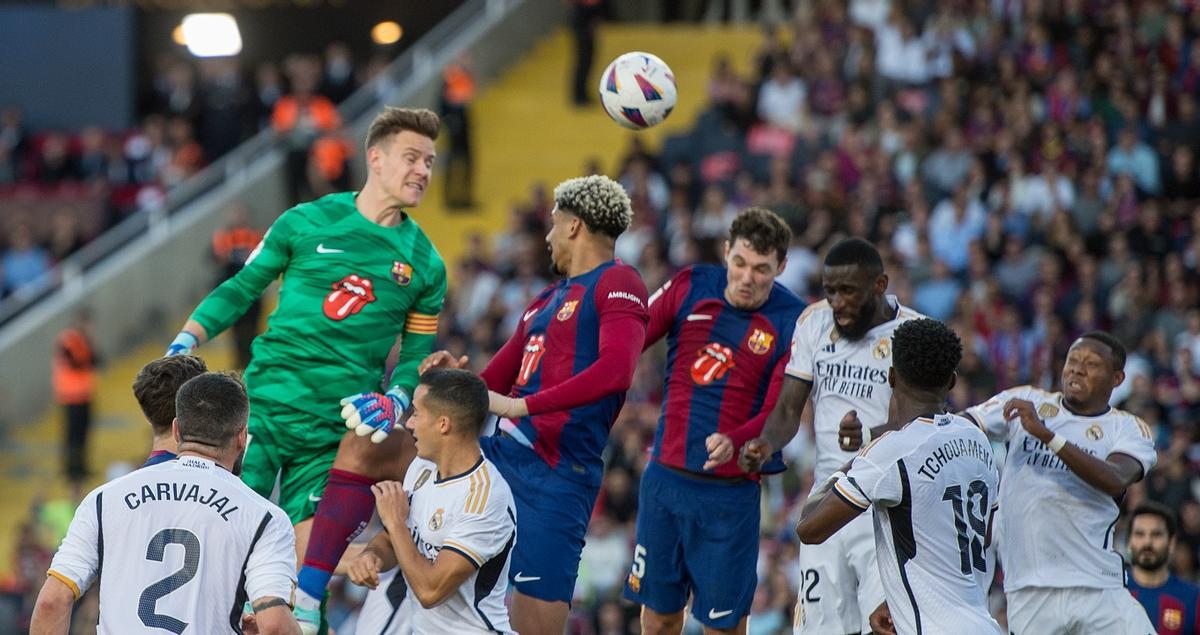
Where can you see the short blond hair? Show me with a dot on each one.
(393, 121)
(600, 202)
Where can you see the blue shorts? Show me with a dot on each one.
(695, 536)
(552, 520)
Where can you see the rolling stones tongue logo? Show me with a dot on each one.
(712, 362)
(350, 295)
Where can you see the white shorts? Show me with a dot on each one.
(385, 611)
(839, 582)
(1076, 611)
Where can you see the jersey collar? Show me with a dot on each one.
(441, 481)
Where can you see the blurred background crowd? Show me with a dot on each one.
(1028, 170)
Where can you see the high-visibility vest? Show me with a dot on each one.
(74, 369)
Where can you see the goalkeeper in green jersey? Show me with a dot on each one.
(358, 272)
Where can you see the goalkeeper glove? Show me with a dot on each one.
(183, 344)
(375, 414)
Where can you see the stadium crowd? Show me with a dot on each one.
(1028, 171)
(62, 188)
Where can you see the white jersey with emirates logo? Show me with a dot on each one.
(473, 515)
(933, 486)
(845, 375)
(177, 547)
(1055, 530)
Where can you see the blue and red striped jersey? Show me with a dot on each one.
(724, 364)
(1174, 607)
(572, 358)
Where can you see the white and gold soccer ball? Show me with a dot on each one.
(638, 90)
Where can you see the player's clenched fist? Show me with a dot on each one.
(364, 571)
(850, 432)
(881, 621)
(1023, 409)
(720, 450)
(754, 454)
(392, 502)
(442, 359)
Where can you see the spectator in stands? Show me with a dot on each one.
(13, 144)
(268, 90)
(301, 117)
(224, 110)
(586, 16)
(74, 371)
(54, 160)
(337, 80)
(23, 262)
(458, 90)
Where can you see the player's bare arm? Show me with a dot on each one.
(431, 582)
(781, 426)
(375, 557)
(823, 515)
(52, 613)
(273, 616)
(851, 431)
(1111, 475)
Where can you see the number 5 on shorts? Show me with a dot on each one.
(639, 561)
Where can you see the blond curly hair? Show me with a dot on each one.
(600, 202)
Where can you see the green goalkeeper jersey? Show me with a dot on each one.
(350, 287)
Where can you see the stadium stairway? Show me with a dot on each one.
(524, 131)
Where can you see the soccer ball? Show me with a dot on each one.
(638, 90)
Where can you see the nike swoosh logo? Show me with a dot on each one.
(314, 499)
(322, 249)
(696, 317)
(521, 577)
(714, 614)
(529, 314)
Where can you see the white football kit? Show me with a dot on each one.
(933, 484)
(387, 610)
(179, 545)
(1055, 530)
(473, 515)
(839, 580)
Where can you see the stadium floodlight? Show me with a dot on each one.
(386, 32)
(211, 34)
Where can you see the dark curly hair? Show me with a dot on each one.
(925, 353)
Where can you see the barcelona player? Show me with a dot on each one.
(357, 273)
(558, 385)
(1172, 603)
(728, 331)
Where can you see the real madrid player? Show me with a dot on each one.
(933, 485)
(452, 525)
(1070, 458)
(841, 353)
(181, 545)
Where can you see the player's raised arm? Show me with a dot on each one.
(420, 329)
(1111, 475)
(430, 582)
(225, 304)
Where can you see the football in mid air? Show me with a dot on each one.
(638, 90)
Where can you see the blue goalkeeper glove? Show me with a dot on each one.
(375, 414)
(183, 344)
